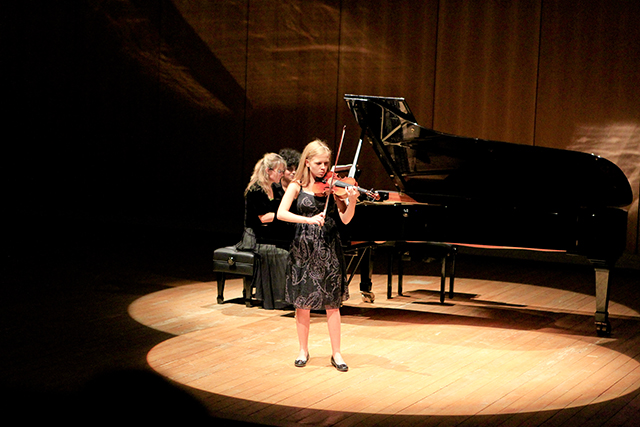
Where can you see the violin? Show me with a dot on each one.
(332, 183)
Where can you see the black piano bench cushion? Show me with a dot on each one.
(230, 260)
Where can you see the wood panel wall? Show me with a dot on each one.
(182, 97)
(547, 73)
(587, 87)
(487, 69)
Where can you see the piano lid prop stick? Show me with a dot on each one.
(352, 171)
(326, 203)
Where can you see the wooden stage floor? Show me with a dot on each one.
(137, 327)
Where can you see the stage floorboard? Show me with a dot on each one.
(495, 351)
(135, 327)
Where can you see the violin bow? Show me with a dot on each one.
(326, 203)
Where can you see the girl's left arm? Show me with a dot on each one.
(347, 207)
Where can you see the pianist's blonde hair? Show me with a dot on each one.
(313, 149)
(260, 174)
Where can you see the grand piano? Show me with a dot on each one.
(469, 191)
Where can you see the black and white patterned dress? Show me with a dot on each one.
(316, 271)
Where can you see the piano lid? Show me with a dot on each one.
(436, 167)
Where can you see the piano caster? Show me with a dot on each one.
(368, 296)
(603, 329)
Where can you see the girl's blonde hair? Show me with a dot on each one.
(260, 174)
(313, 149)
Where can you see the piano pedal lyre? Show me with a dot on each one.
(356, 255)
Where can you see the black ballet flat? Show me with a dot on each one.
(301, 363)
(341, 367)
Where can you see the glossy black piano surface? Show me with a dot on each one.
(471, 191)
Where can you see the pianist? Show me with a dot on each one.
(262, 201)
(292, 157)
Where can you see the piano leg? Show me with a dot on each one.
(452, 254)
(400, 274)
(365, 276)
(603, 327)
(443, 279)
(389, 273)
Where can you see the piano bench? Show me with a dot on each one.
(229, 260)
(443, 251)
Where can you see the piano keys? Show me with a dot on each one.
(470, 191)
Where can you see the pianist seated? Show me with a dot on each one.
(261, 200)
(292, 157)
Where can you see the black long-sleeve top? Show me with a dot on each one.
(278, 232)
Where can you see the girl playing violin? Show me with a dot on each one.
(316, 271)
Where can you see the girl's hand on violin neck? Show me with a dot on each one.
(349, 193)
(353, 194)
(316, 220)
